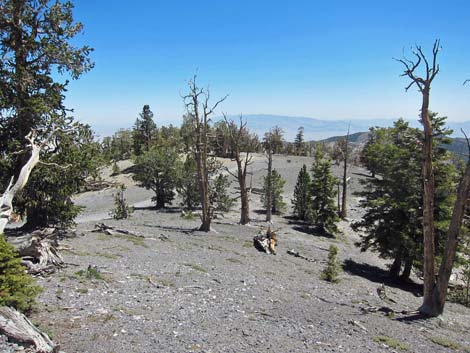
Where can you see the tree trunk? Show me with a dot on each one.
(428, 209)
(245, 205)
(396, 266)
(204, 178)
(6, 200)
(160, 198)
(405, 276)
(269, 190)
(434, 305)
(344, 211)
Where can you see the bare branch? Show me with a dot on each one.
(52, 164)
(231, 173)
(468, 142)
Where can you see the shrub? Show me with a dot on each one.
(331, 272)
(17, 288)
(122, 210)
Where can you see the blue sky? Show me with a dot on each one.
(322, 59)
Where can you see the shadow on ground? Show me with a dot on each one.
(161, 210)
(173, 229)
(363, 175)
(379, 275)
(304, 228)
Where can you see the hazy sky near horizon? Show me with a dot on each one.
(321, 59)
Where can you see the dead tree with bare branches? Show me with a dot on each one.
(241, 144)
(345, 151)
(199, 110)
(435, 287)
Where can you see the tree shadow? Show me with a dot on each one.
(130, 170)
(311, 230)
(172, 228)
(413, 317)
(379, 275)
(363, 175)
(294, 220)
(263, 212)
(160, 210)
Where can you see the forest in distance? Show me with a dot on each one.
(225, 233)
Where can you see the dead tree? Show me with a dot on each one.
(344, 211)
(241, 142)
(199, 111)
(435, 287)
(268, 146)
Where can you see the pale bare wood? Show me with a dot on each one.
(18, 328)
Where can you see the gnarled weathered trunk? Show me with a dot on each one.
(428, 206)
(269, 191)
(6, 200)
(17, 327)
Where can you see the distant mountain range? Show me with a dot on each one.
(317, 129)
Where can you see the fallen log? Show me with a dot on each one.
(103, 228)
(19, 329)
(99, 185)
(266, 242)
(297, 254)
(39, 250)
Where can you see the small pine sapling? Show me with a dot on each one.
(331, 272)
(17, 289)
(115, 169)
(122, 209)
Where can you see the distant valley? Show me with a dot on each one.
(317, 129)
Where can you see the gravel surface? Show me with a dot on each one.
(180, 290)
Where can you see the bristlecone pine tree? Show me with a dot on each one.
(36, 51)
(392, 222)
(435, 286)
(277, 188)
(196, 134)
(158, 170)
(302, 199)
(332, 269)
(324, 214)
(188, 185)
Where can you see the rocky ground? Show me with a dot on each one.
(180, 290)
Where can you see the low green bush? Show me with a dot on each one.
(17, 288)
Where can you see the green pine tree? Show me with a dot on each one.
(302, 199)
(144, 132)
(36, 52)
(122, 209)
(188, 185)
(323, 190)
(220, 200)
(277, 189)
(17, 289)
(393, 219)
(158, 170)
(332, 269)
(299, 143)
